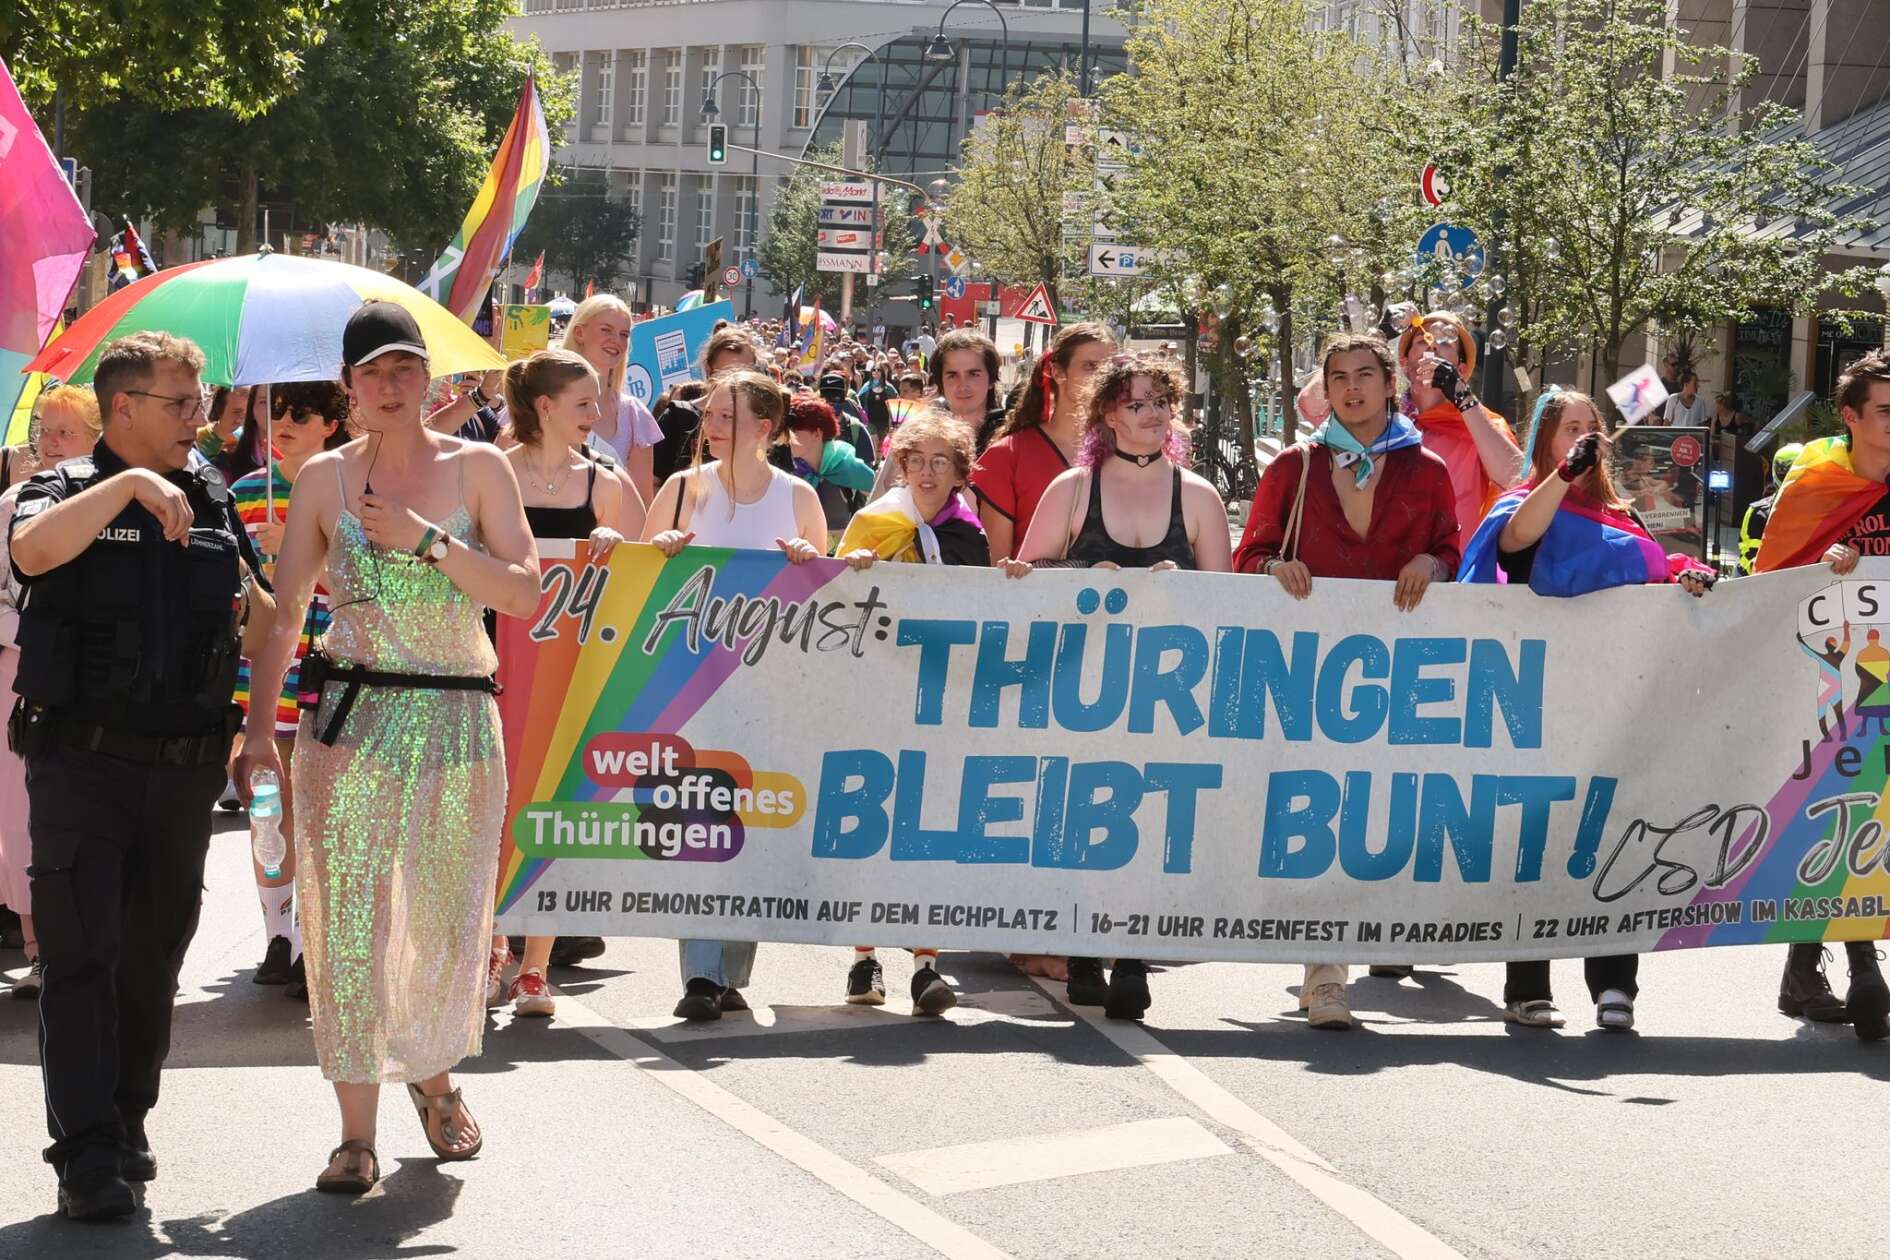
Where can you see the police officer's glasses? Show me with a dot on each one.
(180, 406)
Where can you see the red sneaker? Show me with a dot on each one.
(530, 996)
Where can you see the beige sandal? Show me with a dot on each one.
(450, 1111)
(361, 1175)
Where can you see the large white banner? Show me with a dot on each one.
(1193, 766)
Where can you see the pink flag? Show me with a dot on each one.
(44, 231)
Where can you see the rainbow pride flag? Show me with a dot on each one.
(1819, 501)
(464, 273)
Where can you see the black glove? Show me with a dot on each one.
(1585, 454)
(1446, 381)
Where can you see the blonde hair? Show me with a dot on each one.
(933, 424)
(544, 375)
(77, 397)
(766, 401)
(610, 384)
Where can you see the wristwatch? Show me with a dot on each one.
(433, 546)
(479, 397)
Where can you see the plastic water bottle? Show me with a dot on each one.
(266, 843)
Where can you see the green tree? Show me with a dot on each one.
(1016, 174)
(321, 148)
(1632, 200)
(234, 55)
(1258, 182)
(585, 233)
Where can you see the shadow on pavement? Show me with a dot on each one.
(306, 1226)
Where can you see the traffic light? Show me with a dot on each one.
(925, 293)
(693, 277)
(718, 144)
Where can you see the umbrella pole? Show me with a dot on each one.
(269, 456)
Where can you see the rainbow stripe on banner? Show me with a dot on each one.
(461, 278)
(559, 703)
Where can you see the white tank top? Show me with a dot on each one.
(754, 525)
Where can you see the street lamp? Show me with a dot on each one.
(710, 112)
(826, 84)
(940, 51)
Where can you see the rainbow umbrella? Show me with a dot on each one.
(689, 301)
(261, 318)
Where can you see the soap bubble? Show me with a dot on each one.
(1497, 339)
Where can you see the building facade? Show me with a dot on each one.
(645, 66)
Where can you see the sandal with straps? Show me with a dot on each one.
(450, 1110)
(359, 1180)
(1532, 1013)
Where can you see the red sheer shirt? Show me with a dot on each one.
(1414, 512)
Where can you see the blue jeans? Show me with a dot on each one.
(726, 963)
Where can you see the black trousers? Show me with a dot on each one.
(117, 882)
(1527, 981)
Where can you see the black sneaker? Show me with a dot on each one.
(275, 963)
(26, 988)
(701, 1001)
(569, 951)
(136, 1162)
(1868, 998)
(1128, 990)
(12, 931)
(297, 990)
(98, 1194)
(866, 983)
(1804, 989)
(930, 994)
(1086, 984)
(732, 1000)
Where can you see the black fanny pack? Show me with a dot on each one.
(317, 671)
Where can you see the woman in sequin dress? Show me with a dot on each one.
(400, 775)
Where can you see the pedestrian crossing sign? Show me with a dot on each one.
(1036, 308)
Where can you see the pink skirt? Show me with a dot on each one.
(16, 850)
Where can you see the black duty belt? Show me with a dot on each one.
(318, 671)
(210, 748)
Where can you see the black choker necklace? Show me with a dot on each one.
(1140, 461)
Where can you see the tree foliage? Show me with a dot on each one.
(1017, 172)
(1634, 200)
(584, 232)
(392, 132)
(1261, 181)
(233, 55)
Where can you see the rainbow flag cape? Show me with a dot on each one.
(1818, 502)
(460, 279)
(44, 236)
(1587, 547)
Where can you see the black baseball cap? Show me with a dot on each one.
(379, 328)
(833, 383)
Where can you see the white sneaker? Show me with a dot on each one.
(496, 963)
(1326, 1008)
(1614, 1011)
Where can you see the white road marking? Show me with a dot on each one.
(946, 1237)
(1381, 1222)
(1041, 1157)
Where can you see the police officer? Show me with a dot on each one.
(137, 578)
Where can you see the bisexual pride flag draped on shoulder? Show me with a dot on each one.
(1589, 546)
(44, 236)
(460, 279)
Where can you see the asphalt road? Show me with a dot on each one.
(1014, 1127)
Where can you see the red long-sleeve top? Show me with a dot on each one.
(1414, 512)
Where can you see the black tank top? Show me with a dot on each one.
(1094, 544)
(567, 522)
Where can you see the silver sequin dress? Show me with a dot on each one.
(397, 835)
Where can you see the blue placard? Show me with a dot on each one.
(1443, 242)
(955, 288)
(665, 351)
(750, 268)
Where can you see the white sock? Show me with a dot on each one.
(861, 952)
(278, 907)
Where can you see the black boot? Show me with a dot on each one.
(1086, 986)
(1803, 990)
(1868, 997)
(1128, 990)
(136, 1162)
